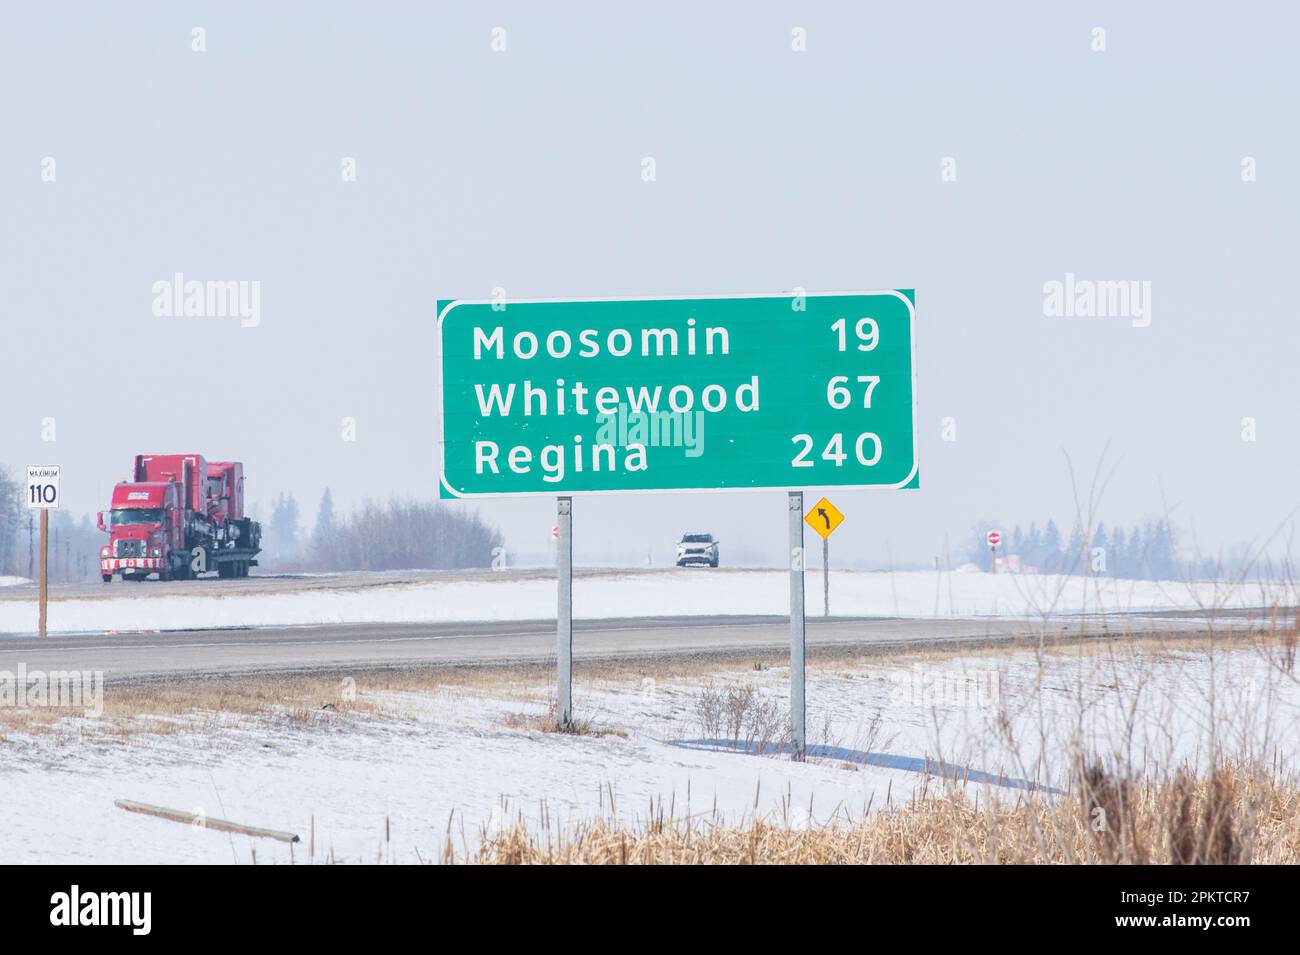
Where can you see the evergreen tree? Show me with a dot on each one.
(1161, 556)
(325, 513)
(283, 529)
(322, 535)
(13, 559)
(1075, 560)
(1052, 548)
(1137, 557)
(1118, 556)
(1099, 542)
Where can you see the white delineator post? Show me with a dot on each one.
(564, 613)
(798, 739)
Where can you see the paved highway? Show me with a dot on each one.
(332, 648)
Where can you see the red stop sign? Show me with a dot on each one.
(994, 538)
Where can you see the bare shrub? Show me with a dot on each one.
(742, 717)
(1111, 814)
(548, 723)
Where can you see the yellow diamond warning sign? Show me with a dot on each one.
(824, 517)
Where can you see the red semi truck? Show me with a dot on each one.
(179, 516)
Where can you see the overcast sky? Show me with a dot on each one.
(775, 168)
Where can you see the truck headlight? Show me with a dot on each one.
(157, 551)
(106, 552)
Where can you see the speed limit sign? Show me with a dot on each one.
(43, 486)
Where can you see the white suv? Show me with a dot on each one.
(697, 549)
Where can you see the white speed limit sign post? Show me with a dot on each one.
(994, 538)
(43, 493)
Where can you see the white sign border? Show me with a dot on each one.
(57, 505)
(561, 492)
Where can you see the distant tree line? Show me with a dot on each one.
(397, 535)
(11, 518)
(73, 542)
(1143, 552)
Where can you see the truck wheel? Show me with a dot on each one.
(107, 578)
(714, 562)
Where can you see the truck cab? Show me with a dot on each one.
(225, 492)
(179, 517)
(146, 532)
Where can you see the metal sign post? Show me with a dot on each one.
(566, 396)
(994, 538)
(43, 493)
(826, 576)
(45, 564)
(799, 737)
(564, 613)
(824, 518)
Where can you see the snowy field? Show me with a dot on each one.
(450, 762)
(604, 595)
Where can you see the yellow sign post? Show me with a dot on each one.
(824, 518)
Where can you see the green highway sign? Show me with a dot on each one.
(705, 393)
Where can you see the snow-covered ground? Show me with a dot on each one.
(13, 581)
(684, 592)
(447, 761)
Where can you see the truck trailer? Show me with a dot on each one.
(178, 517)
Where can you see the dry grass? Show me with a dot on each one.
(1231, 816)
(165, 708)
(162, 708)
(547, 723)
